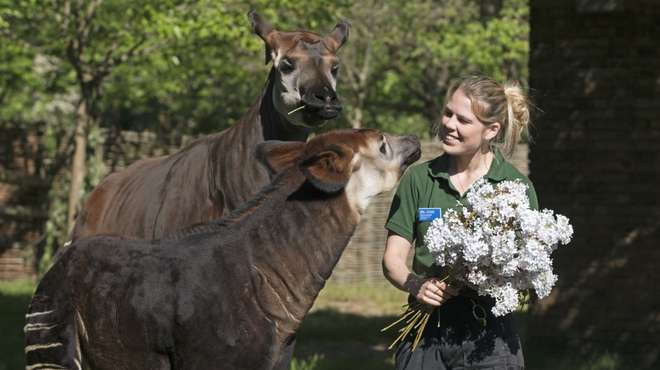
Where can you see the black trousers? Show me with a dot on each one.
(455, 340)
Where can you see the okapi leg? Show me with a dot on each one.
(287, 355)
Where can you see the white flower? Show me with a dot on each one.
(564, 229)
(506, 299)
(475, 248)
(476, 277)
(544, 282)
(498, 245)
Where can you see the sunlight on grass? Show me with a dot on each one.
(344, 325)
(18, 287)
(310, 363)
(14, 299)
(368, 299)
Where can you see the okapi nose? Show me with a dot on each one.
(323, 102)
(326, 95)
(412, 149)
(321, 96)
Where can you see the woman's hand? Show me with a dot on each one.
(432, 292)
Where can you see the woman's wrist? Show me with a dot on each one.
(413, 284)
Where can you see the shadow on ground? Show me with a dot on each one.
(328, 340)
(12, 317)
(345, 340)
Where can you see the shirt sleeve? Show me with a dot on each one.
(401, 219)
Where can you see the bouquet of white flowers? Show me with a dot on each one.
(497, 245)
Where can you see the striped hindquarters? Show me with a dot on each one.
(51, 338)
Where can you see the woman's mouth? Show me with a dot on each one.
(449, 139)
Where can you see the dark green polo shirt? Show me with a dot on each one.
(427, 185)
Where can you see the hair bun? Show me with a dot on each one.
(517, 110)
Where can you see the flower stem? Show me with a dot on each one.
(297, 109)
(403, 317)
(420, 330)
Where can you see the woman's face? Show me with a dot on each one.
(461, 131)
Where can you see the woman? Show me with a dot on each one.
(479, 114)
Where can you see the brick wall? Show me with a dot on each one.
(595, 68)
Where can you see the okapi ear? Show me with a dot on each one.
(278, 155)
(329, 169)
(262, 28)
(339, 35)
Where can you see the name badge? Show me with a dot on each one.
(428, 214)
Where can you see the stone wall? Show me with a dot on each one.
(595, 71)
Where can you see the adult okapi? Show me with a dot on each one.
(228, 294)
(219, 172)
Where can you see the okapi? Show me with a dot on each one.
(229, 294)
(219, 172)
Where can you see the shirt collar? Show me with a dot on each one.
(439, 167)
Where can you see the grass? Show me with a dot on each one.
(14, 299)
(343, 328)
(341, 332)
(363, 298)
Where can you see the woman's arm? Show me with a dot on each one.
(428, 291)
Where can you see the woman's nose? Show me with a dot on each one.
(449, 122)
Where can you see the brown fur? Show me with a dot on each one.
(226, 294)
(217, 173)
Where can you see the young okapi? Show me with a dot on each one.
(219, 172)
(229, 294)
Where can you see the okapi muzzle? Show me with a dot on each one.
(322, 102)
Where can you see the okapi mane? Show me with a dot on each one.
(283, 185)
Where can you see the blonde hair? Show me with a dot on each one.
(493, 102)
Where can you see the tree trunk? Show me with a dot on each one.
(356, 120)
(78, 165)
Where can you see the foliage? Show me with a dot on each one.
(180, 68)
(310, 363)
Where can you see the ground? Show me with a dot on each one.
(341, 332)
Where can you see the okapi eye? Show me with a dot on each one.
(286, 65)
(334, 69)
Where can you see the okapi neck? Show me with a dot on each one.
(289, 275)
(273, 125)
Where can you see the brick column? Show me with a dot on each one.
(595, 73)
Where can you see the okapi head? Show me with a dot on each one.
(363, 163)
(305, 68)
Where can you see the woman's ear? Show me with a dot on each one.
(492, 131)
